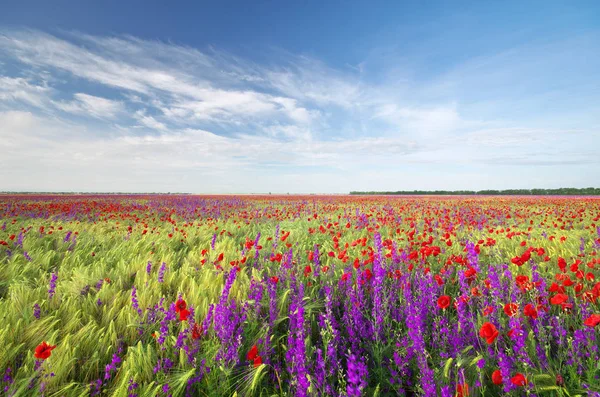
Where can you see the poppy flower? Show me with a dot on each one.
(44, 350)
(559, 299)
(197, 331)
(307, 270)
(592, 320)
(184, 314)
(274, 279)
(497, 377)
(180, 305)
(462, 390)
(257, 361)
(252, 353)
(530, 311)
(519, 379)
(511, 309)
(444, 301)
(489, 332)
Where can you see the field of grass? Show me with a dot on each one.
(299, 296)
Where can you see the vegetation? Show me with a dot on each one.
(564, 191)
(299, 296)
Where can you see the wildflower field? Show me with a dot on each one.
(299, 296)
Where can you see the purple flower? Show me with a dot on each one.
(135, 303)
(20, 240)
(36, 311)
(111, 367)
(296, 354)
(161, 272)
(52, 289)
(131, 388)
(357, 376)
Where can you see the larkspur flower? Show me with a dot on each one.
(161, 272)
(52, 289)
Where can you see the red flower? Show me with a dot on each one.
(592, 320)
(184, 314)
(44, 350)
(257, 361)
(559, 299)
(489, 332)
(530, 311)
(444, 301)
(519, 379)
(181, 308)
(462, 390)
(180, 305)
(274, 279)
(511, 309)
(497, 377)
(253, 353)
(307, 270)
(197, 331)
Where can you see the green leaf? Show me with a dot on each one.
(447, 367)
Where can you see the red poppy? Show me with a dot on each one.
(462, 390)
(180, 305)
(592, 320)
(252, 353)
(559, 299)
(44, 350)
(530, 311)
(497, 377)
(197, 331)
(257, 361)
(489, 332)
(511, 309)
(184, 314)
(444, 301)
(519, 379)
(307, 270)
(274, 279)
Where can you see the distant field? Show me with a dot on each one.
(299, 295)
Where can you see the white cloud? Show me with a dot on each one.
(171, 117)
(94, 106)
(22, 90)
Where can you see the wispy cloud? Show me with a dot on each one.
(91, 105)
(155, 108)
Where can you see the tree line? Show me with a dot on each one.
(564, 191)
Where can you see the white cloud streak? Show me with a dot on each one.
(157, 108)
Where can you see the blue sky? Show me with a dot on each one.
(249, 97)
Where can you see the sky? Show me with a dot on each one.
(298, 97)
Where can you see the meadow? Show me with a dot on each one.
(299, 296)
